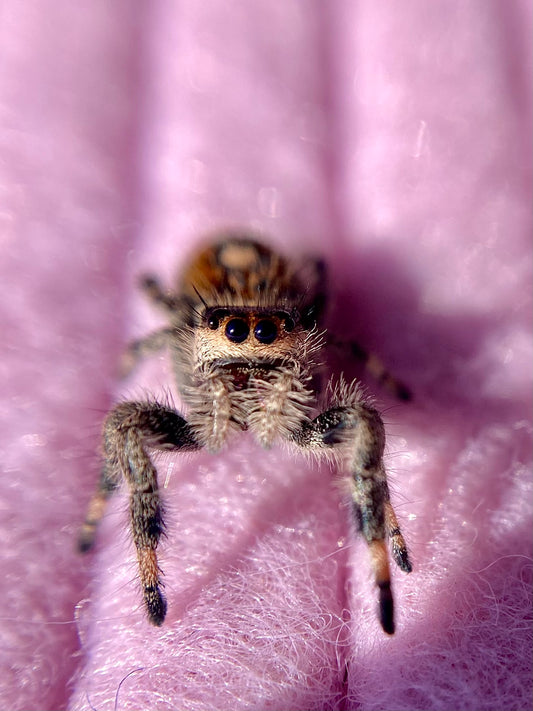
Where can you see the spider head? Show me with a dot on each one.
(250, 306)
(248, 337)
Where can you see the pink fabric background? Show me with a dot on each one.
(394, 138)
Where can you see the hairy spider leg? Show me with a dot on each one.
(358, 430)
(129, 429)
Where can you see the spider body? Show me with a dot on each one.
(246, 348)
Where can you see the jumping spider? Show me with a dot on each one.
(245, 343)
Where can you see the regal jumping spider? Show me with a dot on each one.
(245, 342)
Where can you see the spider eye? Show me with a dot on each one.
(237, 330)
(266, 331)
(288, 324)
(213, 323)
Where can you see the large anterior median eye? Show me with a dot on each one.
(266, 331)
(237, 330)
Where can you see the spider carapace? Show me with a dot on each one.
(247, 347)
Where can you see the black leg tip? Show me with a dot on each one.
(147, 282)
(402, 560)
(403, 393)
(386, 609)
(156, 605)
(85, 542)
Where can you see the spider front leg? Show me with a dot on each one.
(129, 429)
(357, 429)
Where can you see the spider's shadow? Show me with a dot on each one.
(376, 302)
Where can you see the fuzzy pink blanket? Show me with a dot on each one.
(394, 139)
